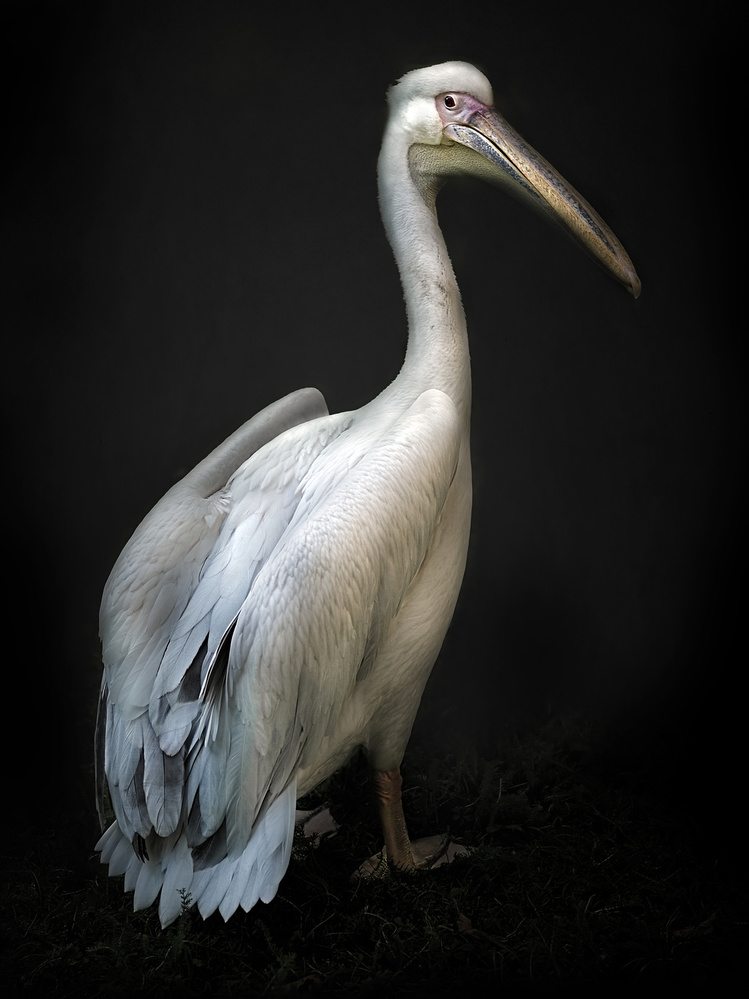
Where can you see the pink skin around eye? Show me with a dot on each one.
(465, 107)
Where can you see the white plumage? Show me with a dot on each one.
(284, 603)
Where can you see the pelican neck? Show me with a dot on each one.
(437, 354)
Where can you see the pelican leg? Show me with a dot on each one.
(400, 853)
(387, 786)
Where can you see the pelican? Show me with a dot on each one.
(284, 603)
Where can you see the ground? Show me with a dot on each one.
(580, 873)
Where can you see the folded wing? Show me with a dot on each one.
(323, 534)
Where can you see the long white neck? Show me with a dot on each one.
(437, 354)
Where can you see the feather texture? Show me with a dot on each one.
(277, 647)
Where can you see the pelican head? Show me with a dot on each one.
(447, 117)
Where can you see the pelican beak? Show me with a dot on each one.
(518, 166)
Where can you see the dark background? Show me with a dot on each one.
(194, 232)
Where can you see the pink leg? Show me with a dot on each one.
(387, 785)
(402, 854)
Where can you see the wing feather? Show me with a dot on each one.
(163, 783)
(269, 605)
(324, 601)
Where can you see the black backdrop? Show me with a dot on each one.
(194, 232)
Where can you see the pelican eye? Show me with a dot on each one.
(450, 102)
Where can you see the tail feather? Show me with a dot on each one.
(107, 842)
(240, 877)
(132, 874)
(211, 890)
(234, 881)
(122, 854)
(148, 885)
(177, 882)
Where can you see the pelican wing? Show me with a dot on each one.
(321, 605)
(266, 651)
(155, 576)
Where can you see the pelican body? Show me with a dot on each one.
(284, 603)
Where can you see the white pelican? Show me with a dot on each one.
(284, 603)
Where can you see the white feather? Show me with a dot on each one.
(148, 885)
(178, 876)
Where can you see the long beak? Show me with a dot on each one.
(528, 174)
